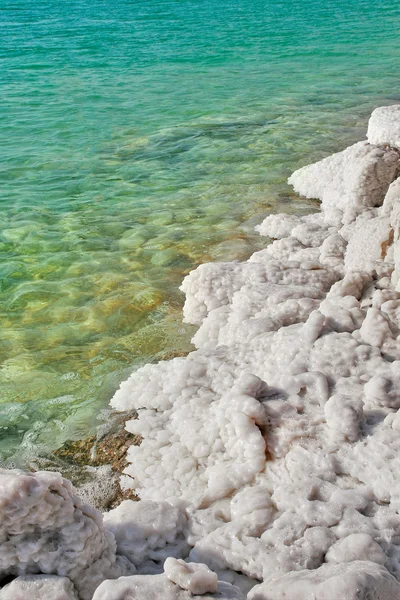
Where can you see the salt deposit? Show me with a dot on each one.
(45, 528)
(39, 587)
(270, 455)
(158, 587)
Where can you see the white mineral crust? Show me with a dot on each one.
(384, 126)
(159, 587)
(357, 580)
(39, 587)
(148, 532)
(196, 578)
(270, 454)
(45, 528)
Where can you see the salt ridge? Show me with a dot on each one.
(271, 453)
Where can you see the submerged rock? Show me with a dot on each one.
(95, 464)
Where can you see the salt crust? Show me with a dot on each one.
(194, 577)
(39, 587)
(270, 454)
(158, 587)
(45, 528)
(384, 126)
(359, 580)
(148, 532)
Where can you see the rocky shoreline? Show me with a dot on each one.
(269, 456)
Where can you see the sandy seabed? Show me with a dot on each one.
(269, 463)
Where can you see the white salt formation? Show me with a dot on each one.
(352, 581)
(270, 461)
(194, 577)
(384, 126)
(39, 587)
(159, 587)
(45, 528)
(148, 532)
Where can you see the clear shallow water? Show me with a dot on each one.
(138, 139)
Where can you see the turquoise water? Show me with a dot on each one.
(138, 139)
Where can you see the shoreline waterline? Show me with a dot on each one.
(138, 140)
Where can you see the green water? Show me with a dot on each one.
(138, 139)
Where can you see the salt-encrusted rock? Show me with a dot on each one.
(392, 197)
(375, 329)
(45, 528)
(369, 244)
(348, 181)
(148, 531)
(277, 226)
(196, 578)
(384, 126)
(39, 587)
(344, 415)
(209, 444)
(157, 587)
(357, 546)
(358, 580)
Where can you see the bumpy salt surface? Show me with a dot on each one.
(45, 528)
(39, 587)
(158, 587)
(270, 454)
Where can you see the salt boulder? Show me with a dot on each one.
(369, 244)
(357, 546)
(277, 226)
(346, 182)
(157, 587)
(196, 578)
(148, 531)
(39, 587)
(384, 126)
(45, 528)
(392, 197)
(358, 580)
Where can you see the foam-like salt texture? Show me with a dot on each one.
(271, 453)
(358, 580)
(157, 587)
(384, 126)
(45, 528)
(148, 532)
(39, 587)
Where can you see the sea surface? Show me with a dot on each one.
(139, 138)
